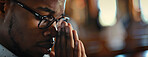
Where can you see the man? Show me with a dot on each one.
(27, 29)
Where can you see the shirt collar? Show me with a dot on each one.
(4, 52)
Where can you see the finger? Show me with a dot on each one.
(77, 49)
(75, 35)
(70, 26)
(63, 40)
(52, 54)
(57, 43)
(82, 49)
(70, 41)
(81, 44)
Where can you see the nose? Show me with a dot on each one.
(51, 31)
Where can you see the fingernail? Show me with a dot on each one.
(69, 24)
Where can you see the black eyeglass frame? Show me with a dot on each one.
(40, 17)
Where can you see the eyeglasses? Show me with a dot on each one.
(45, 20)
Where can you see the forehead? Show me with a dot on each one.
(55, 5)
(46, 1)
(49, 3)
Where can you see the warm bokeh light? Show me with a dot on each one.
(144, 10)
(110, 28)
(136, 4)
(107, 12)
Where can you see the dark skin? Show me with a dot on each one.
(70, 45)
(20, 34)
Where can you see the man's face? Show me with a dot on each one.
(23, 28)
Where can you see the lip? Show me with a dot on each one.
(46, 44)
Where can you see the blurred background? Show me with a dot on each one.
(111, 28)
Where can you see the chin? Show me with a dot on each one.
(40, 50)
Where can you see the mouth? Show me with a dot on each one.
(47, 44)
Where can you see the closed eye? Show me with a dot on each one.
(45, 9)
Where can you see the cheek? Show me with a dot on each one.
(33, 23)
(26, 35)
(26, 28)
(25, 18)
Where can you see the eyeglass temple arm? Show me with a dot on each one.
(29, 9)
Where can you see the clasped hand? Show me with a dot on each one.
(67, 42)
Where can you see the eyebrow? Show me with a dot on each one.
(46, 9)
